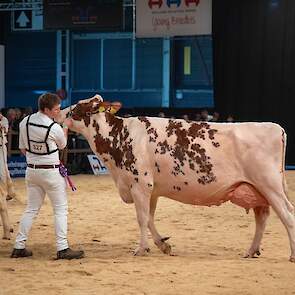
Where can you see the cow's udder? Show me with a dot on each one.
(246, 196)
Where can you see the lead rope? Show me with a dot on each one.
(64, 173)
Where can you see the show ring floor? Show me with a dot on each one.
(207, 243)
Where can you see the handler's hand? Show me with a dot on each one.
(68, 122)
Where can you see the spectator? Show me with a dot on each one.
(185, 117)
(27, 111)
(161, 115)
(12, 119)
(13, 126)
(198, 117)
(215, 117)
(18, 113)
(205, 116)
(230, 119)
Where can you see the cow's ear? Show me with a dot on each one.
(115, 107)
(101, 109)
(104, 106)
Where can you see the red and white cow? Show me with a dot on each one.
(8, 185)
(4, 215)
(4, 172)
(196, 163)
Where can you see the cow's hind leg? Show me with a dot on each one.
(285, 210)
(158, 239)
(4, 215)
(261, 215)
(142, 206)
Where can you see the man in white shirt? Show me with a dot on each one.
(40, 139)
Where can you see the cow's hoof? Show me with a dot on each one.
(165, 248)
(141, 251)
(292, 259)
(6, 237)
(11, 230)
(10, 196)
(252, 254)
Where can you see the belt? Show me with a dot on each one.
(35, 166)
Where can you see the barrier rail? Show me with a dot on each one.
(12, 146)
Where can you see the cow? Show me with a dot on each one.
(196, 163)
(4, 172)
(4, 216)
(6, 180)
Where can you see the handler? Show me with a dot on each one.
(39, 140)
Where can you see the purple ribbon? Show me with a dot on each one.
(64, 173)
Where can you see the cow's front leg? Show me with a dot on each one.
(10, 188)
(158, 239)
(142, 201)
(4, 216)
(261, 215)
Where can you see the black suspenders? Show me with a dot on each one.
(44, 141)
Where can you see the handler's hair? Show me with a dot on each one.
(48, 100)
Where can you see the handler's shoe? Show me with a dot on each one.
(17, 253)
(70, 254)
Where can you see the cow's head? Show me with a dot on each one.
(81, 112)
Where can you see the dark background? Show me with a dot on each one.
(254, 62)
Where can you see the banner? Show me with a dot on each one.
(17, 166)
(97, 165)
(98, 15)
(164, 18)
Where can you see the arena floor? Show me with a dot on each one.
(208, 245)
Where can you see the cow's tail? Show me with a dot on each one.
(284, 144)
(285, 187)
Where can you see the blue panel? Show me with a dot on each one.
(201, 63)
(149, 65)
(30, 67)
(86, 64)
(201, 98)
(117, 64)
(196, 88)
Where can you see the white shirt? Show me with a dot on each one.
(4, 123)
(56, 138)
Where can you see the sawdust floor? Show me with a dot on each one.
(208, 245)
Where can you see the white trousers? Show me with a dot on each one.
(41, 182)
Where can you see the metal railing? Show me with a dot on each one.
(12, 137)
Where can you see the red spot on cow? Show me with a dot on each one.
(118, 144)
(184, 151)
(153, 135)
